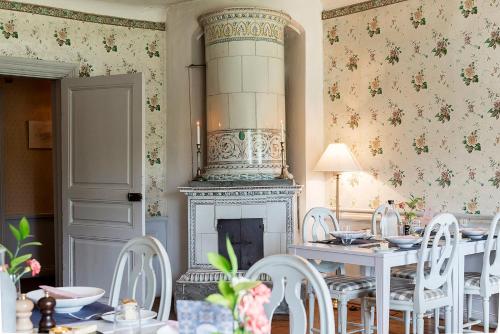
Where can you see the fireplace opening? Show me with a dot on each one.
(247, 238)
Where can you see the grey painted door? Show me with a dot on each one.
(102, 162)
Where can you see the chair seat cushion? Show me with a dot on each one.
(344, 283)
(473, 280)
(406, 272)
(405, 293)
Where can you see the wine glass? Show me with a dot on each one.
(346, 237)
(127, 318)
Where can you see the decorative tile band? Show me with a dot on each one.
(359, 7)
(249, 147)
(236, 24)
(80, 16)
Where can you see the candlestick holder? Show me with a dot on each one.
(285, 174)
(199, 176)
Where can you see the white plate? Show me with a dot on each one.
(146, 315)
(474, 233)
(349, 234)
(91, 295)
(404, 241)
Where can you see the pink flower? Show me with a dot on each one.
(34, 266)
(261, 293)
(259, 324)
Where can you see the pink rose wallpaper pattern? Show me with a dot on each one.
(414, 89)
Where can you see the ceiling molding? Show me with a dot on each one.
(80, 16)
(356, 8)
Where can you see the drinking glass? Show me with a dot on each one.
(127, 319)
(346, 238)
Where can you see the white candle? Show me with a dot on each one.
(198, 137)
(282, 131)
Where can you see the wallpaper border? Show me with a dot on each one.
(359, 7)
(80, 16)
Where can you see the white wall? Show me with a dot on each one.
(183, 50)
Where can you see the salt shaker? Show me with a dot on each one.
(24, 307)
(46, 306)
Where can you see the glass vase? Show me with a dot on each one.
(17, 284)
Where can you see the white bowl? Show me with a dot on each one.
(404, 241)
(91, 295)
(349, 234)
(474, 233)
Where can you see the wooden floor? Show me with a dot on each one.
(280, 323)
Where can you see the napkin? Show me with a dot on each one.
(60, 294)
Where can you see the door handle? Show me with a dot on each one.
(134, 197)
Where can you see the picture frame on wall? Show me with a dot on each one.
(40, 135)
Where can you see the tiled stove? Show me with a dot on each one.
(274, 201)
(246, 123)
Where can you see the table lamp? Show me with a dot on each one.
(337, 159)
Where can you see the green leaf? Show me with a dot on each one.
(219, 262)
(15, 232)
(9, 253)
(18, 260)
(24, 228)
(28, 244)
(225, 288)
(218, 299)
(243, 286)
(232, 257)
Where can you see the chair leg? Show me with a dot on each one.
(436, 321)
(469, 310)
(407, 318)
(365, 316)
(372, 316)
(312, 300)
(343, 316)
(447, 312)
(486, 314)
(414, 321)
(420, 323)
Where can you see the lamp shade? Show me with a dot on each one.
(337, 158)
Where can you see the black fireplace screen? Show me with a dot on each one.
(247, 238)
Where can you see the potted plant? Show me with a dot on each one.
(243, 297)
(19, 263)
(409, 211)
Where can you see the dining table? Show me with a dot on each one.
(91, 315)
(382, 261)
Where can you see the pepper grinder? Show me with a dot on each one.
(46, 306)
(24, 307)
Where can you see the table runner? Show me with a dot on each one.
(62, 319)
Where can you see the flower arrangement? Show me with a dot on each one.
(244, 298)
(410, 208)
(21, 264)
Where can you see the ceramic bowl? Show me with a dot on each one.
(90, 295)
(474, 233)
(404, 241)
(349, 234)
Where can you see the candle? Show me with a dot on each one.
(198, 137)
(282, 131)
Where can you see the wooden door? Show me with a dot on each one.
(102, 171)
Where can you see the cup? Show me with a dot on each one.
(127, 318)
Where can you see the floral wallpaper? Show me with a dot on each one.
(414, 89)
(101, 49)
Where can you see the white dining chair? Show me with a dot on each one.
(138, 255)
(486, 283)
(287, 273)
(385, 221)
(433, 287)
(342, 288)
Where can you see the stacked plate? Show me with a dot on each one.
(404, 241)
(474, 233)
(347, 237)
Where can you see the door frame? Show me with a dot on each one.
(44, 69)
